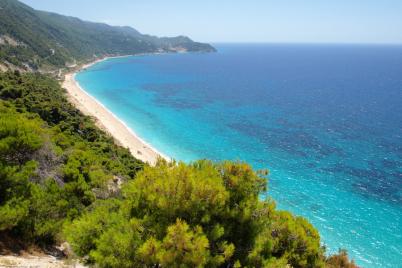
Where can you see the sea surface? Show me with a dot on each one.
(325, 119)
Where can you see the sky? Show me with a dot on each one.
(283, 21)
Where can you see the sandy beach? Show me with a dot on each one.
(107, 121)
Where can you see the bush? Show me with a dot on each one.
(340, 260)
(194, 215)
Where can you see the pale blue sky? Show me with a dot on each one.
(328, 21)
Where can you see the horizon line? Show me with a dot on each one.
(301, 43)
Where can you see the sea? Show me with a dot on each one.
(325, 119)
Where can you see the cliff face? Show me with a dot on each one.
(32, 39)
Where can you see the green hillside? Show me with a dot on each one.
(33, 39)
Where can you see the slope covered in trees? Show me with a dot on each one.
(54, 162)
(36, 39)
(61, 178)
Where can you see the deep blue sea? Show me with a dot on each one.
(325, 119)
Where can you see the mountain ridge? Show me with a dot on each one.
(39, 40)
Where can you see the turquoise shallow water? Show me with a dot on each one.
(325, 119)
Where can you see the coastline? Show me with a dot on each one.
(106, 120)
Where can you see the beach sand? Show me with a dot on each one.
(107, 121)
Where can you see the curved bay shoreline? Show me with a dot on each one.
(106, 120)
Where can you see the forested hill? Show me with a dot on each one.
(32, 39)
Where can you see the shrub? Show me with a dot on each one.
(195, 215)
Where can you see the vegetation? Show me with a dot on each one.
(60, 175)
(61, 178)
(43, 39)
(201, 214)
(340, 260)
(54, 162)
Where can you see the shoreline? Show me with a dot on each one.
(106, 120)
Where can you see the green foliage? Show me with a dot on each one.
(54, 162)
(19, 137)
(84, 232)
(12, 212)
(202, 214)
(43, 96)
(49, 207)
(291, 237)
(181, 247)
(169, 192)
(117, 246)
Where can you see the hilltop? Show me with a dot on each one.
(37, 40)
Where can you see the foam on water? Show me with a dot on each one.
(325, 119)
